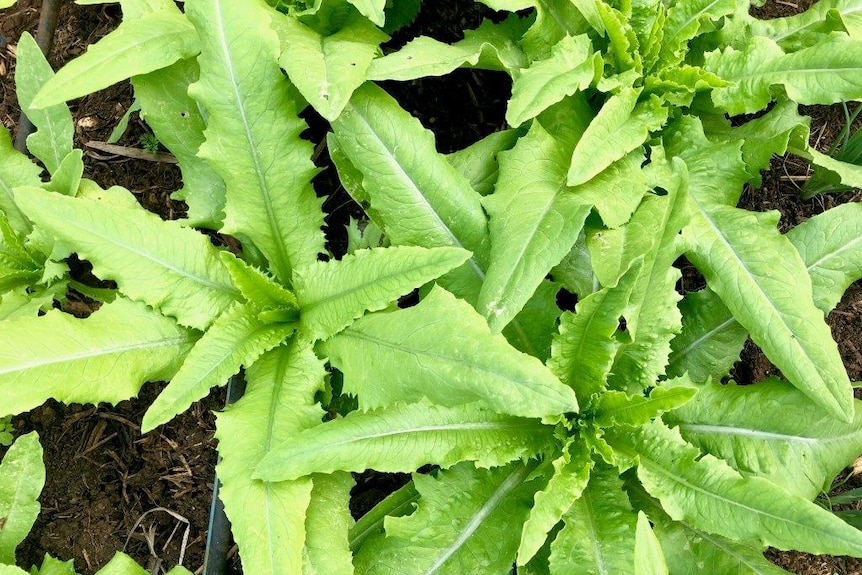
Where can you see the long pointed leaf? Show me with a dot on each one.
(237, 338)
(418, 197)
(53, 139)
(535, 221)
(333, 294)
(599, 536)
(760, 277)
(712, 496)
(442, 349)
(252, 135)
(137, 46)
(268, 519)
(106, 357)
(403, 438)
(172, 268)
(794, 444)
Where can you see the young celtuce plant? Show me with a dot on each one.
(554, 434)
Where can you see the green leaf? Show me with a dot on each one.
(478, 162)
(761, 138)
(704, 158)
(491, 46)
(268, 520)
(371, 9)
(137, 46)
(396, 504)
(121, 564)
(535, 221)
(106, 357)
(172, 268)
(443, 350)
(617, 408)
(15, 170)
(467, 521)
(252, 135)
(51, 566)
(178, 123)
(332, 294)
(328, 522)
(649, 559)
(688, 550)
(760, 277)
(823, 74)
(709, 494)
(237, 338)
(256, 286)
(583, 352)
(403, 437)
(571, 473)
(327, 69)
(794, 444)
(812, 26)
(6, 4)
(684, 21)
(621, 126)
(66, 179)
(418, 197)
(836, 171)
(555, 19)
(831, 247)
(22, 475)
(573, 66)
(617, 191)
(652, 318)
(599, 536)
(710, 341)
(53, 139)
(533, 328)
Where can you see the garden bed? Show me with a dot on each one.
(109, 487)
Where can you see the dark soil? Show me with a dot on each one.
(108, 487)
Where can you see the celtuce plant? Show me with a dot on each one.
(562, 441)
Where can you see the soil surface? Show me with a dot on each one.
(108, 487)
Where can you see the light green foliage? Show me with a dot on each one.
(169, 267)
(621, 126)
(822, 74)
(741, 252)
(443, 350)
(327, 69)
(252, 121)
(794, 445)
(572, 67)
(649, 559)
(179, 123)
(553, 438)
(136, 47)
(237, 338)
(335, 293)
(535, 221)
(706, 491)
(15, 170)
(830, 244)
(460, 525)
(268, 519)
(6, 4)
(598, 536)
(106, 357)
(420, 198)
(490, 46)
(405, 436)
(22, 475)
(53, 139)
